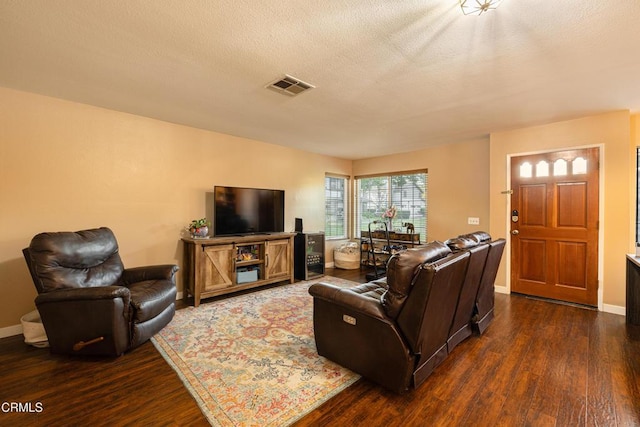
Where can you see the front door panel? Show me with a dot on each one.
(554, 236)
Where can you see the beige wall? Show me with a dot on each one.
(68, 166)
(612, 131)
(458, 184)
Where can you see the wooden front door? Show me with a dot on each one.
(554, 225)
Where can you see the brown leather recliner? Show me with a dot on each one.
(89, 303)
(393, 333)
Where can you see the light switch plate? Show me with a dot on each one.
(473, 220)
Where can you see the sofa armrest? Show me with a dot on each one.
(344, 297)
(352, 329)
(85, 294)
(152, 272)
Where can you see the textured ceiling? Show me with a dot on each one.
(390, 76)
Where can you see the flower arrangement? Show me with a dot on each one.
(199, 227)
(390, 213)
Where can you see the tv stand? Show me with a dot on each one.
(222, 265)
(257, 233)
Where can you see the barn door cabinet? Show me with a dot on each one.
(221, 265)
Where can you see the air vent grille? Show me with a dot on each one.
(289, 86)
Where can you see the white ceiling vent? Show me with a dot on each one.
(290, 86)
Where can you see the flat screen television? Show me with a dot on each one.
(240, 211)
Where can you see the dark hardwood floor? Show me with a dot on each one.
(538, 364)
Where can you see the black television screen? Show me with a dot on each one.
(247, 211)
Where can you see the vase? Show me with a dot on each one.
(200, 232)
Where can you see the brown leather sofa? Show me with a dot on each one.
(89, 303)
(393, 333)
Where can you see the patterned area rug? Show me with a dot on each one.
(251, 360)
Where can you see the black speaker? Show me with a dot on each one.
(298, 225)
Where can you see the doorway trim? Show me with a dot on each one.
(507, 227)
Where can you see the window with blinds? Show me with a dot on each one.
(335, 199)
(404, 192)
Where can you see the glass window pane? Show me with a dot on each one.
(542, 168)
(335, 190)
(407, 193)
(560, 167)
(373, 199)
(526, 170)
(579, 166)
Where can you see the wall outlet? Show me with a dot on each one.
(473, 220)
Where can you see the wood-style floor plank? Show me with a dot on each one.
(538, 364)
(138, 388)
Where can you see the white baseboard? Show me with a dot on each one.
(614, 309)
(501, 289)
(329, 264)
(10, 331)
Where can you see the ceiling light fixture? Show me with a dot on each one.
(478, 7)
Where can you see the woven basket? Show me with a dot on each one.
(345, 260)
(33, 330)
